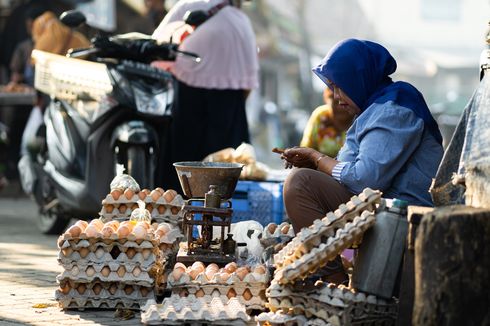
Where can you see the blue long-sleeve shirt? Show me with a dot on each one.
(387, 148)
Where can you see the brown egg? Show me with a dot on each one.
(260, 269)
(65, 288)
(212, 267)
(210, 274)
(82, 224)
(116, 193)
(184, 293)
(161, 209)
(149, 207)
(285, 229)
(128, 193)
(169, 195)
(160, 190)
(97, 223)
(97, 288)
(177, 274)
(130, 253)
(144, 291)
(81, 288)
(155, 194)
(179, 266)
(136, 271)
(107, 231)
(90, 271)
(142, 195)
(223, 276)
(164, 227)
(146, 191)
(230, 267)
(123, 231)
(83, 252)
(241, 272)
(112, 224)
(128, 289)
(247, 295)
(144, 224)
(121, 271)
(194, 272)
(105, 271)
(200, 293)
(134, 206)
(92, 231)
(231, 293)
(140, 232)
(198, 266)
(272, 227)
(175, 210)
(74, 231)
(122, 208)
(109, 208)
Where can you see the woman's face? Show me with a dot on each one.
(344, 101)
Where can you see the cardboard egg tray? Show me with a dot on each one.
(317, 257)
(312, 236)
(103, 290)
(95, 303)
(335, 305)
(160, 209)
(176, 310)
(280, 318)
(111, 272)
(253, 298)
(250, 280)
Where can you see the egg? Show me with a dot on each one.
(74, 231)
(164, 227)
(184, 293)
(112, 224)
(212, 267)
(65, 288)
(154, 225)
(194, 272)
(146, 253)
(175, 210)
(107, 231)
(82, 224)
(105, 271)
(144, 224)
(113, 288)
(99, 252)
(82, 288)
(121, 271)
(169, 195)
(130, 253)
(231, 293)
(128, 289)
(75, 270)
(92, 231)
(144, 291)
(230, 267)
(285, 229)
(136, 271)
(241, 272)
(146, 191)
(223, 276)
(161, 209)
(160, 190)
(83, 252)
(134, 207)
(210, 274)
(97, 222)
(200, 293)
(139, 232)
(271, 227)
(198, 266)
(116, 193)
(122, 208)
(260, 269)
(97, 288)
(142, 195)
(177, 274)
(149, 208)
(109, 208)
(247, 295)
(123, 231)
(128, 193)
(90, 271)
(155, 194)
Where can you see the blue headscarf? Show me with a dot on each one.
(361, 69)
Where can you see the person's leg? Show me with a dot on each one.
(310, 195)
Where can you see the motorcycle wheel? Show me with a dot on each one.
(137, 166)
(52, 223)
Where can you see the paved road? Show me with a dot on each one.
(28, 269)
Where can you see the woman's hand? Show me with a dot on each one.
(301, 157)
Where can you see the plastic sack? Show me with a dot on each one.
(123, 181)
(463, 176)
(140, 214)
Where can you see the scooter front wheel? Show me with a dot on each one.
(52, 223)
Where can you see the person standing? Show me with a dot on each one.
(210, 112)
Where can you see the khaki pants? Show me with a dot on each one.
(310, 195)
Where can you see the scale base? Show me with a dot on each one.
(186, 258)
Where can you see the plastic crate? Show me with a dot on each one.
(258, 201)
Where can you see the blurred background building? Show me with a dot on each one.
(436, 43)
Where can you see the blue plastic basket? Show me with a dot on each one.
(258, 201)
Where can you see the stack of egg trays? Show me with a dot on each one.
(107, 272)
(190, 310)
(279, 318)
(314, 246)
(160, 209)
(334, 305)
(250, 291)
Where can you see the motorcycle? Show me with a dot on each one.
(114, 108)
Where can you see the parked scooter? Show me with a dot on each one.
(116, 111)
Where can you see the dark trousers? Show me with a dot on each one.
(204, 121)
